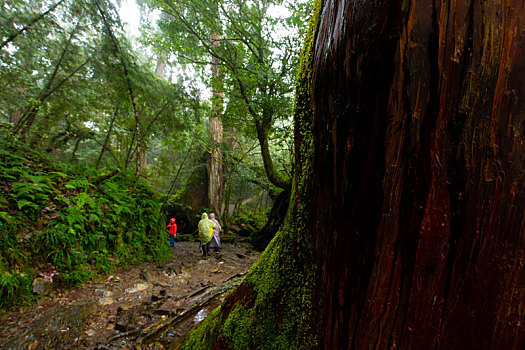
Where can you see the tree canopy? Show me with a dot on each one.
(256, 55)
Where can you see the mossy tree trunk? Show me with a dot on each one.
(406, 227)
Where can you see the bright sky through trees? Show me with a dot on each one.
(130, 14)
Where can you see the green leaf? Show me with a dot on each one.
(5, 216)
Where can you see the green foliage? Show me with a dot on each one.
(74, 87)
(14, 288)
(249, 222)
(53, 216)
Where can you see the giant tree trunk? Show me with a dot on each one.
(414, 198)
(424, 202)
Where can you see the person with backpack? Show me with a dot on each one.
(206, 227)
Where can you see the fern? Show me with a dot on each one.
(62, 175)
(14, 287)
(5, 217)
(82, 229)
(78, 184)
(25, 203)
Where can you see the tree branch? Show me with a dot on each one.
(29, 25)
(120, 54)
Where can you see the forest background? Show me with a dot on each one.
(104, 138)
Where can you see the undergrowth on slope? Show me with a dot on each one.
(70, 222)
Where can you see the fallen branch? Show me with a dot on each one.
(98, 179)
(123, 335)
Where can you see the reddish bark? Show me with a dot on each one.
(419, 177)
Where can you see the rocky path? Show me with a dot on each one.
(147, 306)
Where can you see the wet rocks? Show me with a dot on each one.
(128, 304)
(55, 329)
(42, 286)
(105, 301)
(174, 268)
(139, 287)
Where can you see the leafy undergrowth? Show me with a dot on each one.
(70, 223)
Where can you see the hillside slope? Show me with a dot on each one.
(64, 224)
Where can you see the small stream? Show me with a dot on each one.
(201, 315)
(174, 333)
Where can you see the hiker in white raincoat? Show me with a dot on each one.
(206, 227)
(216, 240)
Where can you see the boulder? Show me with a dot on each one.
(42, 286)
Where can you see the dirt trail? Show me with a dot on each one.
(146, 306)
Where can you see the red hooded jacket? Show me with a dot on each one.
(173, 227)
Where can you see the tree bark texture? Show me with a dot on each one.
(215, 168)
(419, 174)
(162, 57)
(406, 227)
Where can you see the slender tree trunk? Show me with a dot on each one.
(26, 121)
(108, 135)
(75, 149)
(161, 65)
(140, 157)
(226, 212)
(140, 152)
(274, 176)
(162, 56)
(410, 203)
(215, 167)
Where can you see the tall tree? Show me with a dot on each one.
(215, 127)
(407, 225)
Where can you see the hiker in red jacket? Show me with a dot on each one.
(173, 231)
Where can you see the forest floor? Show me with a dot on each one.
(142, 307)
